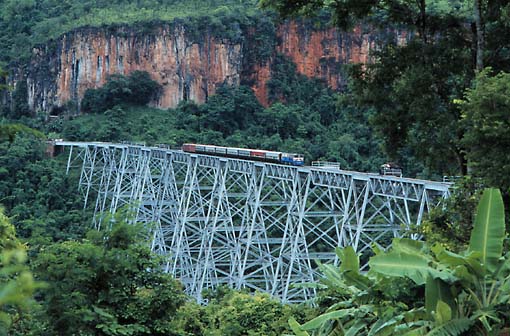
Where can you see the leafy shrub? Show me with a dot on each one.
(108, 284)
(16, 281)
(136, 89)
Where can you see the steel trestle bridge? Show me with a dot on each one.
(247, 224)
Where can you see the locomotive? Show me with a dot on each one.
(292, 159)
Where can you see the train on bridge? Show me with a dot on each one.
(261, 226)
(292, 159)
(388, 169)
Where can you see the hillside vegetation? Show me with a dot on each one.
(312, 120)
(25, 23)
(437, 104)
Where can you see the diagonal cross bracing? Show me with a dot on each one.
(247, 224)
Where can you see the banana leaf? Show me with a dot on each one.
(489, 229)
(413, 266)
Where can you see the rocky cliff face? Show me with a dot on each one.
(187, 67)
(320, 53)
(84, 59)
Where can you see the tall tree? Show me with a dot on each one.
(486, 111)
(3, 77)
(480, 40)
(412, 85)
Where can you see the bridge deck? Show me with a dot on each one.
(433, 185)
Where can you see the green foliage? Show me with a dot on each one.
(411, 89)
(497, 35)
(344, 13)
(231, 312)
(8, 132)
(8, 240)
(489, 230)
(40, 198)
(29, 22)
(112, 130)
(486, 128)
(230, 109)
(408, 259)
(423, 16)
(288, 86)
(136, 89)
(464, 293)
(135, 123)
(20, 100)
(312, 121)
(235, 313)
(3, 77)
(451, 327)
(411, 86)
(450, 225)
(110, 284)
(260, 41)
(476, 270)
(362, 304)
(17, 284)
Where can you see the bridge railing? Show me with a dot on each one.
(451, 179)
(325, 164)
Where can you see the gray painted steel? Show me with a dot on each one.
(247, 224)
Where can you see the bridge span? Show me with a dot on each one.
(247, 224)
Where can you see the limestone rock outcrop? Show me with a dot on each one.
(187, 67)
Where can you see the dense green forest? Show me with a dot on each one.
(439, 105)
(420, 92)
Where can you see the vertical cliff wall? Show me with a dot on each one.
(188, 64)
(321, 53)
(85, 58)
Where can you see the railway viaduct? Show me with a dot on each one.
(247, 224)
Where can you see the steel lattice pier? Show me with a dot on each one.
(247, 224)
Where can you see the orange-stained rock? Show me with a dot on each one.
(262, 75)
(187, 69)
(320, 53)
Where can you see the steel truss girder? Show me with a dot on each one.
(247, 224)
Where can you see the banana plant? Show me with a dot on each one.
(465, 292)
(474, 285)
(360, 309)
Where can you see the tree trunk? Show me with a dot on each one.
(479, 35)
(422, 26)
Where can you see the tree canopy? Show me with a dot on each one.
(486, 121)
(412, 86)
(17, 284)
